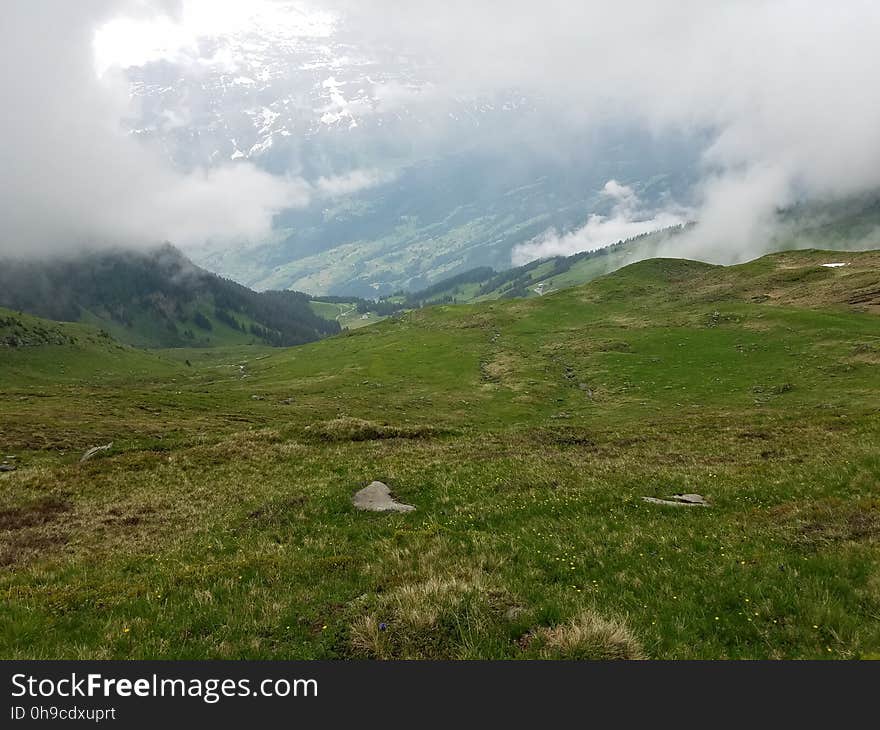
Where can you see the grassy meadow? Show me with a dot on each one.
(526, 432)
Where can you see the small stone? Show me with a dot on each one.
(7, 467)
(377, 498)
(95, 450)
(679, 500)
(690, 498)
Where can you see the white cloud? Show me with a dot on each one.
(784, 91)
(628, 218)
(350, 183)
(737, 215)
(71, 176)
(174, 34)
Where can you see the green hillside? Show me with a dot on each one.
(347, 313)
(38, 351)
(526, 432)
(158, 298)
(536, 278)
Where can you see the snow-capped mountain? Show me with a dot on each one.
(278, 92)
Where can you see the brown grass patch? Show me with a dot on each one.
(27, 545)
(867, 353)
(30, 529)
(587, 636)
(439, 618)
(831, 521)
(33, 514)
(613, 346)
(279, 513)
(565, 436)
(127, 518)
(756, 325)
(505, 369)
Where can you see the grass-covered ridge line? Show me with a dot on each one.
(526, 432)
(841, 225)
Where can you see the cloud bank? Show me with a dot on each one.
(783, 91)
(780, 94)
(72, 177)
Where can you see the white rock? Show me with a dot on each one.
(95, 450)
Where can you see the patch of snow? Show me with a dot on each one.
(835, 265)
(261, 147)
(339, 107)
(237, 154)
(268, 117)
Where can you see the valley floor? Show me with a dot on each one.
(526, 433)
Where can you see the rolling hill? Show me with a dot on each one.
(526, 432)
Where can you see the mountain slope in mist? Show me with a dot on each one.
(443, 216)
(157, 298)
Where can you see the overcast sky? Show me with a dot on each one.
(787, 88)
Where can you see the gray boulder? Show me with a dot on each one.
(377, 498)
(679, 500)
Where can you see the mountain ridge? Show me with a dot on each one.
(157, 298)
